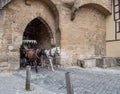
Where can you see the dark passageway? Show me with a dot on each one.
(37, 30)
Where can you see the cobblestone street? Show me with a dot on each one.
(85, 81)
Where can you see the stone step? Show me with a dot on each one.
(103, 62)
(87, 63)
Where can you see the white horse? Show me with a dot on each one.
(50, 54)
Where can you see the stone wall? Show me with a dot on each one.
(84, 37)
(15, 17)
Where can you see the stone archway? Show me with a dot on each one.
(77, 5)
(37, 31)
(88, 39)
(15, 25)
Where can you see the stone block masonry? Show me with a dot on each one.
(84, 37)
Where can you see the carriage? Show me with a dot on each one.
(30, 44)
(33, 55)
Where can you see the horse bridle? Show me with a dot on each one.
(56, 52)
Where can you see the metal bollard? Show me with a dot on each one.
(28, 76)
(68, 84)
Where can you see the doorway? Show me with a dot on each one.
(37, 32)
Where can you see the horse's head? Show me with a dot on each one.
(57, 51)
(30, 53)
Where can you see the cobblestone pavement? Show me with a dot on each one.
(85, 81)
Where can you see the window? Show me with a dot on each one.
(116, 10)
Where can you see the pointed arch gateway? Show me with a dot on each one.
(54, 11)
(23, 24)
(40, 31)
(37, 34)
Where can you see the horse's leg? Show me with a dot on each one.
(24, 62)
(57, 61)
(42, 62)
(51, 64)
(29, 62)
(21, 62)
(36, 69)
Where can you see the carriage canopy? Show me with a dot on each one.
(30, 43)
